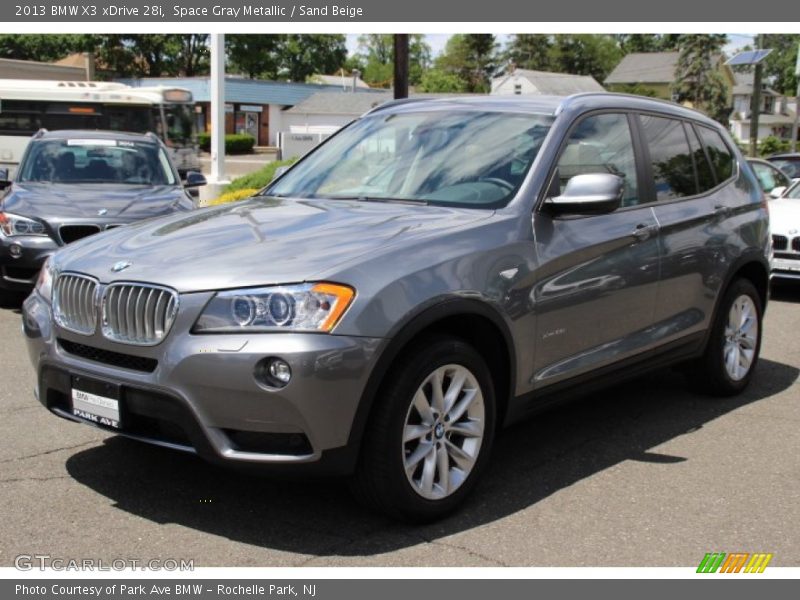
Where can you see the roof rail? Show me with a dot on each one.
(569, 99)
(392, 103)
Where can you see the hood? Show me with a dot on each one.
(784, 216)
(62, 202)
(258, 242)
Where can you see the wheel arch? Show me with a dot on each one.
(474, 321)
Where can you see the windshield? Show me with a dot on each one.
(475, 159)
(793, 192)
(789, 166)
(96, 161)
(180, 124)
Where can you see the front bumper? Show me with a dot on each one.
(785, 265)
(21, 259)
(198, 393)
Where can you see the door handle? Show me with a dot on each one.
(721, 210)
(643, 231)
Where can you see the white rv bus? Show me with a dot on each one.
(29, 105)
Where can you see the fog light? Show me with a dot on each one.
(280, 370)
(15, 250)
(273, 372)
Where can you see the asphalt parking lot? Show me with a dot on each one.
(644, 474)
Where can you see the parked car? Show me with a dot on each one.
(788, 162)
(773, 181)
(435, 270)
(71, 184)
(785, 227)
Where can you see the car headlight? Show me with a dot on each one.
(303, 307)
(12, 225)
(44, 284)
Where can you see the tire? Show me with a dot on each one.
(731, 354)
(409, 428)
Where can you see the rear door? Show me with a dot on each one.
(596, 283)
(692, 176)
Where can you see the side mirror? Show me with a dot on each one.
(588, 194)
(280, 171)
(194, 179)
(4, 182)
(777, 192)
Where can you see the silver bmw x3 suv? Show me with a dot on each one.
(434, 271)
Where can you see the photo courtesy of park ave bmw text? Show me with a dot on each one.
(418, 291)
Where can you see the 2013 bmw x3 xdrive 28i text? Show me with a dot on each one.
(433, 271)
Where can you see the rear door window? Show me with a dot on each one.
(670, 157)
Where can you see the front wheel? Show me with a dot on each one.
(430, 435)
(732, 352)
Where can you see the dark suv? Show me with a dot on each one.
(435, 270)
(72, 184)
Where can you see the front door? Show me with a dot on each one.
(595, 296)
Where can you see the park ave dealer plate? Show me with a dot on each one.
(96, 401)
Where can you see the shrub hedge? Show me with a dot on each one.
(235, 143)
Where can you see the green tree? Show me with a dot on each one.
(125, 55)
(471, 57)
(153, 55)
(780, 64)
(294, 57)
(586, 54)
(301, 56)
(530, 51)
(438, 81)
(253, 55)
(44, 47)
(375, 59)
(697, 77)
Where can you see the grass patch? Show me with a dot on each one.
(258, 179)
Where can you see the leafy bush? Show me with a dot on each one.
(772, 145)
(233, 196)
(235, 143)
(258, 179)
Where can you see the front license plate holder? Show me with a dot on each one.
(95, 401)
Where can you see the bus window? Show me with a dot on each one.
(129, 118)
(179, 123)
(19, 123)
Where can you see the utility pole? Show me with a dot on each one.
(796, 101)
(217, 84)
(400, 66)
(755, 105)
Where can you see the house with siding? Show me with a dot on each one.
(653, 74)
(543, 83)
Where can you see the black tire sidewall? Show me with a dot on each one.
(399, 392)
(719, 382)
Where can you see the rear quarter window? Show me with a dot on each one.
(718, 152)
